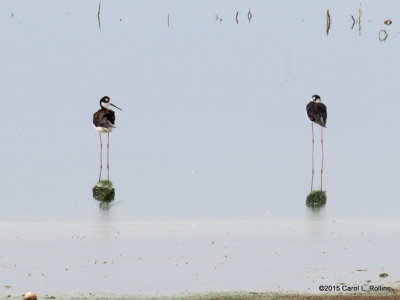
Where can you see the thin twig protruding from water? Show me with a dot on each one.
(249, 15)
(359, 20)
(237, 17)
(383, 35)
(328, 22)
(168, 20)
(354, 22)
(98, 15)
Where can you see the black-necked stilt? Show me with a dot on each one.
(103, 122)
(316, 112)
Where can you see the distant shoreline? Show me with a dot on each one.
(222, 296)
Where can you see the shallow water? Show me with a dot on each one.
(211, 158)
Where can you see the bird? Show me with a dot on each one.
(103, 122)
(317, 113)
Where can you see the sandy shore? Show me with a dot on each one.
(220, 296)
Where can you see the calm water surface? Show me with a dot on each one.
(211, 158)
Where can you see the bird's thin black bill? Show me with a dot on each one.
(115, 106)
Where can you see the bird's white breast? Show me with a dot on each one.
(102, 129)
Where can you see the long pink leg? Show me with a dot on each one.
(108, 155)
(101, 155)
(312, 164)
(322, 158)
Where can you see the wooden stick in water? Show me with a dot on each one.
(98, 15)
(328, 22)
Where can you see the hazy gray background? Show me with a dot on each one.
(213, 131)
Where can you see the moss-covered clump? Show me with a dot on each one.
(103, 191)
(316, 199)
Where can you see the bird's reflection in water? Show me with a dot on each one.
(316, 225)
(316, 209)
(316, 200)
(104, 192)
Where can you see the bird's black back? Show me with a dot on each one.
(104, 118)
(316, 112)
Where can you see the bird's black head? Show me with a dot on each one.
(316, 98)
(105, 102)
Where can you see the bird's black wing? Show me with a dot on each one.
(310, 110)
(110, 116)
(322, 113)
(104, 118)
(316, 112)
